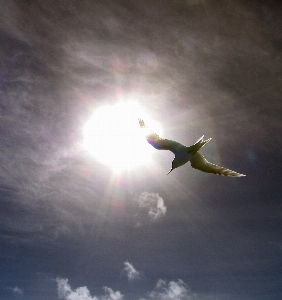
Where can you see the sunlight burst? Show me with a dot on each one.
(113, 136)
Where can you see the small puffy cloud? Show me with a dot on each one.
(160, 283)
(153, 203)
(131, 273)
(82, 293)
(171, 291)
(111, 295)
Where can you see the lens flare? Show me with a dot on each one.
(113, 136)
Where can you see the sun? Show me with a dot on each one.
(113, 136)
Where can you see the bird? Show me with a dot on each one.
(183, 154)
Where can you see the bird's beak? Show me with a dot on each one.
(169, 171)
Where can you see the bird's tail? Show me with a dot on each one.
(199, 144)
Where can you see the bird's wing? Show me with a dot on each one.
(200, 163)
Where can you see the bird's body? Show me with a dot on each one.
(183, 154)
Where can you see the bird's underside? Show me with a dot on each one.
(184, 154)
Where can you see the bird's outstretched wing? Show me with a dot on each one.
(200, 163)
(159, 143)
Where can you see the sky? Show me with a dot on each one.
(71, 227)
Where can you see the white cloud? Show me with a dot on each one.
(111, 295)
(160, 283)
(131, 273)
(171, 291)
(153, 203)
(174, 290)
(82, 293)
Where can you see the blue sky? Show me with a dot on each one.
(70, 226)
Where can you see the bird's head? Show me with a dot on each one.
(152, 137)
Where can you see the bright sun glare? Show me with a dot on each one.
(113, 136)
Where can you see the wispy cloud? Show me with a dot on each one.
(153, 204)
(82, 293)
(16, 290)
(131, 273)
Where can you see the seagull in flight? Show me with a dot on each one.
(183, 154)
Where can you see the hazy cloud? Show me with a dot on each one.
(213, 69)
(82, 293)
(16, 290)
(131, 273)
(276, 245)
(152, 203)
